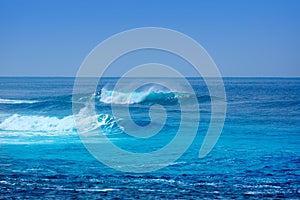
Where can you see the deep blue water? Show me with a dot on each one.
(257, 155)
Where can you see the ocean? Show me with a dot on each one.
(43, 156)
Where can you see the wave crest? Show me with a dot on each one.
(149, 97)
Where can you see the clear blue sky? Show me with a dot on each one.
(245, 38)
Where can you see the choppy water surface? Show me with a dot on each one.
(257, 155)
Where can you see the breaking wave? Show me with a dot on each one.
(149, 96)
(27, 125)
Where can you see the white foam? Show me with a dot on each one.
(16, 101)
(27, 125)
(87, 122)
(116, 97)
(41, 124)
(96, 189)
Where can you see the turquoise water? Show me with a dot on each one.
(257, 155)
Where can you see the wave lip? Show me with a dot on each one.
(17, 101)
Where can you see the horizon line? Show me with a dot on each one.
(58, 76)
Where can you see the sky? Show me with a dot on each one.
(244, 38)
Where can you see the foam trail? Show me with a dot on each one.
(16, 101)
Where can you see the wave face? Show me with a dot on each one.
(148, 96)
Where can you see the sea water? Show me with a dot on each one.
(257, 154)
